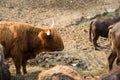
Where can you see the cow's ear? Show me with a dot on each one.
(48, 32)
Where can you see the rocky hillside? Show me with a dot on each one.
(72, 19)
(40, 12)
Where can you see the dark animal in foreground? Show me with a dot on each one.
(114, 35)
(4, 69)
(23, 41)
(100, 28)
(113, 75)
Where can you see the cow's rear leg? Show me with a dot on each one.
(111, 59)
(95, 42)
(24, 66)
(17, 58)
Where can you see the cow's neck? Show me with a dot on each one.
(34, 42)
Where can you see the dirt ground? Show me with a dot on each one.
(72, 21)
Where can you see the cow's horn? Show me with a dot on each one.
(53, 23)
(48, 33)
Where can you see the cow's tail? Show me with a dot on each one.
(109, 33)
(90, 29)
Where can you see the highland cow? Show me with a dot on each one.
(100, 28)
(23, 41)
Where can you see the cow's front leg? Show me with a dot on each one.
(95, 42)
(17, 63)
(24, 66)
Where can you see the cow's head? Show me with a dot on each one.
(51, 40)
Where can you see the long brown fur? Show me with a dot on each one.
(23, 41)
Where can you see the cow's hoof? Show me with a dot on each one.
(98, 46)
(18, 74)
(97, 49)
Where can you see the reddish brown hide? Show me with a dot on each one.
(23, 41)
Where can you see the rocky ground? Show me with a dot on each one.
(72, 18)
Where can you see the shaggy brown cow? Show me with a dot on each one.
(4, 69)
(23, 41)
(100, 28)
(114, 35)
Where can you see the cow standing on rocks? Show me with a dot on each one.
(4, 69)
(100, 28)
(114, 35)
(23, 41)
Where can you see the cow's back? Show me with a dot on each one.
(103, 24)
